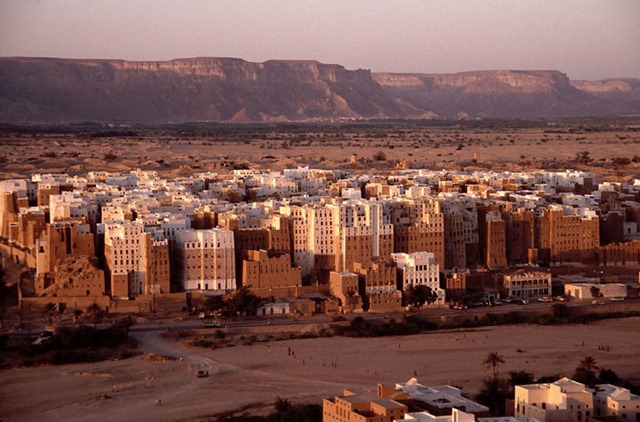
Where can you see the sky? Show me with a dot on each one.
(587, 39)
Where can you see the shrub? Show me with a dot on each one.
(379, 156)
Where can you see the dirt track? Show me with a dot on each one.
(252, 375)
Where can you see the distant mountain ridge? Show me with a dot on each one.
(49, 90)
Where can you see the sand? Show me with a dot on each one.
(257, 374)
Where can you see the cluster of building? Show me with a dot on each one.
(562, 401)
(361, 239)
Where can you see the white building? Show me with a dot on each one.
(124, 243)
(525, 284)
(70, 206)
(616, 401)
(583, 291)
(562, 401)
(460, 416)
(440, 397)
(321, 230)
(206, 259)
(419, 268)
(302, 252)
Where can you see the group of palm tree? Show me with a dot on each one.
(586, 372)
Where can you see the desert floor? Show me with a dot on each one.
(171, 155)
(254, 375)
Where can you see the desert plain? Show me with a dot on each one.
(606, 150)
(252, 376)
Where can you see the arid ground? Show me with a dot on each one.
(610, 152)
(252, 375)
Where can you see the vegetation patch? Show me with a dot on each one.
(68, 345)
(284, 411)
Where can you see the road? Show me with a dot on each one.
(323, 319)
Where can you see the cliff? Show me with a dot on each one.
(503, 93)
(624, 93)
(46, 90)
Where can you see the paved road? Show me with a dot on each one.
(434, 314)
(321, 319)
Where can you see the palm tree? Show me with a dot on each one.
(95, 310)
(588, 363)
(493, 360)
(586, 371)
(126, 323)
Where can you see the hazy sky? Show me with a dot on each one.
(590, 39)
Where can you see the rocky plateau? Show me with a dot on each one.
(49, 90)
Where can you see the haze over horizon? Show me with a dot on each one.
(587, 39)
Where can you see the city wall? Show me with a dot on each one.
(17, 255)
(161, 303)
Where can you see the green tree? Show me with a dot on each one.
(608, 376)
(97, 313)
(493, 361)
(520, 378)
(126, 323)
(214, 303)
(493, 394)
(586, 371)
(588, 363)
(419, 295)
(244, 301)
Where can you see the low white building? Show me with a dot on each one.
(274, 309)
(583, 291)
(460, 416)
(439, 397)
(616, 401)
(562, 401)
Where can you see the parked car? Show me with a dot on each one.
(545, 299)
(559, 298)
(211, 323)
(202, 373)
(43, 338)
(598, 302)
(616, 299)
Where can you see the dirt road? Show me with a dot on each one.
(301, 370)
